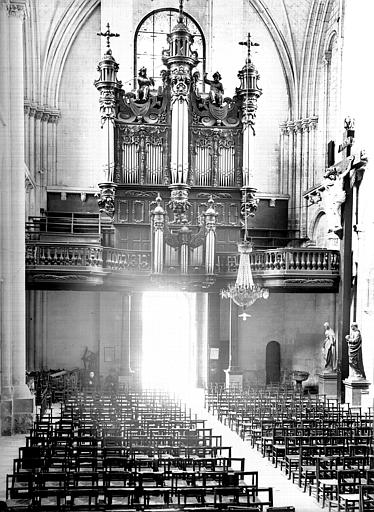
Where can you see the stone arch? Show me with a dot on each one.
(58, 46)
(312, 55)
(286, 54)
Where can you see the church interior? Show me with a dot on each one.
(187, 260)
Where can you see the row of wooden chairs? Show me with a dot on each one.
(318, 443)
(70, 471)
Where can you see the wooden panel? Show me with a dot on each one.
(227, 239)
(134, 238)
(123, 210)
(138, 209)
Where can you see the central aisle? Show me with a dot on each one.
(284, 491)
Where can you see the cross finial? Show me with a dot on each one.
(181, 2)
(248, 43)
(108, 34)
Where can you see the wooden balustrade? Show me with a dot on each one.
(45, 254)
(283, 261)
(268, 264)
(122, 260)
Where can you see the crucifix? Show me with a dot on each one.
(108, 34)
(346, 175)
(248, 43)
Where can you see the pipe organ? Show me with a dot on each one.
(178, 160)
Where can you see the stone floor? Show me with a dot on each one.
(285, 493)
(8, 451)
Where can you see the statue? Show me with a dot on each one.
(329, 349)
(356, 365)
(89, 359)
(216, 89)
(144, 84)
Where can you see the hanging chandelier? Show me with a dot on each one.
(245, 291)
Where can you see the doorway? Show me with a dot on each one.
(273, 362)
(169, 341)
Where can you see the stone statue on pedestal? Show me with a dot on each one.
(356, 365)
(329, 349)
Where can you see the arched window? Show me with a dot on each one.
(151, 39)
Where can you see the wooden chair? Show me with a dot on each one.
(348, 491)
(366, 503)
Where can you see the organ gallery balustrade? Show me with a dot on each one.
(283, 261)
(317, 267)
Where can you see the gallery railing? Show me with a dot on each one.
(268, 262)
(287, 260)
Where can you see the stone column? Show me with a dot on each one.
(125, 368)
(282, 186)
(201, 338)
(136, 337)
(304, 178)
(291, 174)
(213, 335)
(312, 179)
(298, 175)
(234, 375)
(17, 415)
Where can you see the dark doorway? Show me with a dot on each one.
(273, 362)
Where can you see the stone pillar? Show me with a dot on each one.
(17, 404)
(312, 180)
(291, 174)
(201, 339)
(282, 158)
(136, 337)
(126, 373)
(298, 175)
(234, 375)
(304, 178)
(213, 327)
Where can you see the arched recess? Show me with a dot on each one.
(321, 235)
(273, 361)
(285, 54)
(58, 46)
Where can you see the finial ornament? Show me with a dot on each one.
(181, 2)
(248, 43)
(108, 34)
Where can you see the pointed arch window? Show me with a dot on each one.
(151, 39)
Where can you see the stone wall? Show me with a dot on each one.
(295, 320)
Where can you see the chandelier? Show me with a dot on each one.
(245, 291)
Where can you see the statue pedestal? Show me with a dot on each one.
(234, 378)
(356, 391)
(328, 384)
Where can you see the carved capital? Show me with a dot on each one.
(291, 127)
(298, 126)
(283, 128)
(45, 116)
(38, 113)
(54, 116)
(313, 120)
(17, 9)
